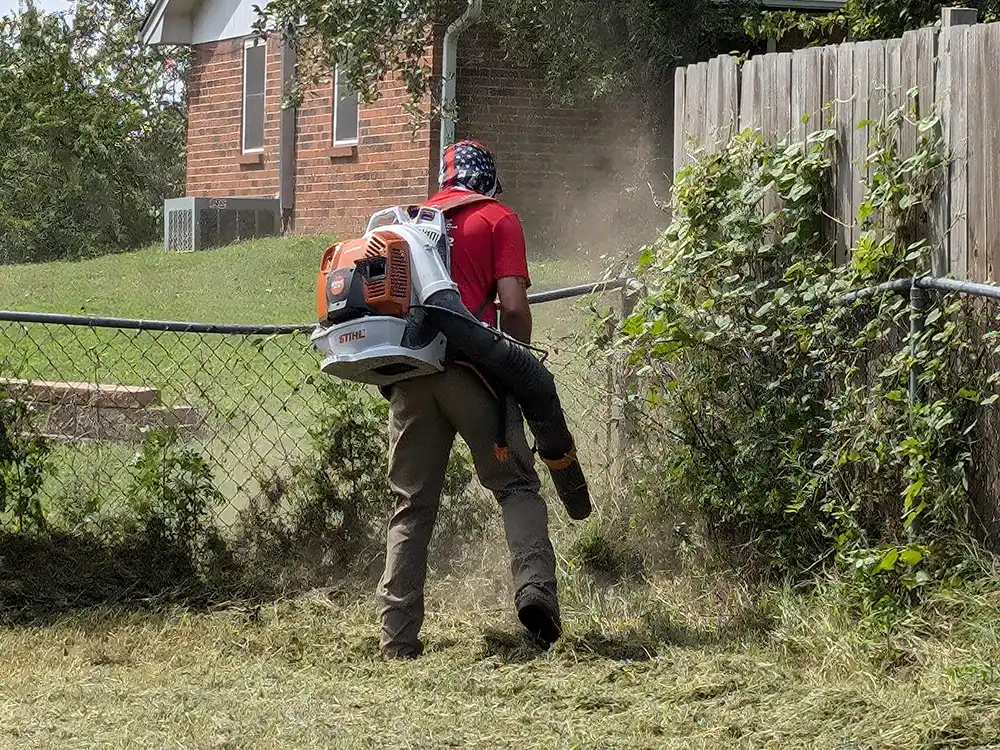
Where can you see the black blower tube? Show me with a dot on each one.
(529, 383)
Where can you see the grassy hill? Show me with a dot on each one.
(265, 281)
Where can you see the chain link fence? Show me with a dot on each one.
(245, 399)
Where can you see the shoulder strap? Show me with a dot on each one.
(458, 201)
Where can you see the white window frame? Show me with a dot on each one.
(250, 44)
(333, 120)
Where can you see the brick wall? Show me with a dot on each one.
(577, 177)
(335, 189)
(572, 174)
(215, 114)
(338, 189)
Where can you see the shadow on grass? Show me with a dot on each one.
(44, 577)
(642, 642)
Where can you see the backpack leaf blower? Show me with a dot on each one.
(388, 310)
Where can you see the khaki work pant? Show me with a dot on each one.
(424, 415)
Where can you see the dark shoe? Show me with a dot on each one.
(403, 652)
(541, 620)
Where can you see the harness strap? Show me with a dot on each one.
(500, 448)
(457, 201)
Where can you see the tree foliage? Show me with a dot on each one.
(861, 19)
(588, 48)
(91, 140)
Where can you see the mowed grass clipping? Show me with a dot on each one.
(306, 674)
(685, 660)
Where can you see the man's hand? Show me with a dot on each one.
(515, 313)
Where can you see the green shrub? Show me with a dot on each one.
(327, 518)
(173, 494)
(782, 419)
(24, 464)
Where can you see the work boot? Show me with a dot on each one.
(539, 617)
(403, 652)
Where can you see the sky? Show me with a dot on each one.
(6, 6)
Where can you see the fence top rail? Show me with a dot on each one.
(933, 283)
(250, 329)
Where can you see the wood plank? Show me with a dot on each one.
(990, 84)
(694, 110)
(799, 106)
(844, 114)
(833, 229)
(876, 93)
(783, 96)
(829, 91)
(977, 185)
(731, 103)
(894, 93)
(812, 114)
(877, 81)
(957, 115)
(926, 53)
(701, 82)
(766, 91)
(908, 80)
(680, 120)
(749, 80)
(938, 210)
(713, 104)
(859, 137)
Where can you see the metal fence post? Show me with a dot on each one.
(623, 423)
(919, 302)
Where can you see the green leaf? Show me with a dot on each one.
(888, 561)
(911, 556)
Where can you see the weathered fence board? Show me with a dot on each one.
(990, 78)
(976, 173)
(844, 114)
(680, 119)
(953, 70)
(782, 104)
(749, 97)
(956, 229)
(861, 83)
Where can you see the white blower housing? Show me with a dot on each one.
(369, 294)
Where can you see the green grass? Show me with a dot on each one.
(664, 667)
(266, 281)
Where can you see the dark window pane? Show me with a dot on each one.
(255, 57)
(253, 97)
(345, 113)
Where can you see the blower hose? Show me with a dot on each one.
(528, 382)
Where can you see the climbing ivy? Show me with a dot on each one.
(781, 417)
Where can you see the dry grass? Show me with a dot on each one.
(684, 661)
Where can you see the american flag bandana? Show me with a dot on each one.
(469, 164)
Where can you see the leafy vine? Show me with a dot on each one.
(781, 417)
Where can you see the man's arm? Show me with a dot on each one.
(510, 268)
(515, 313)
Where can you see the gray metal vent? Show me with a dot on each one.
(201, 223)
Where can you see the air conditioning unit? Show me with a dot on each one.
(201, 223)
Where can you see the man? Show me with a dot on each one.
(488, 263)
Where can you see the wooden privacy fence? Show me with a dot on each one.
(955, 68)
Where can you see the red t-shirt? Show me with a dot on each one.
(487, 243)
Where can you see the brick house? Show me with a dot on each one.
(572, 174)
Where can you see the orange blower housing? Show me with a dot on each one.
(368, 276)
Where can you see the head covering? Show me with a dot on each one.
(469, 164)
